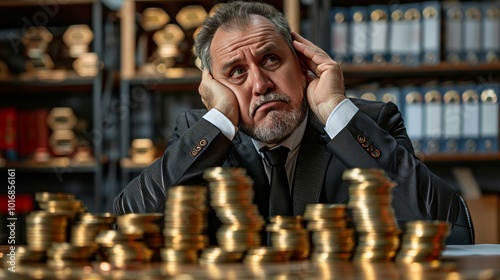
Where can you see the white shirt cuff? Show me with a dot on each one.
(218, 119)
(340, 117)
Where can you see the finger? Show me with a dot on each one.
(301, 39)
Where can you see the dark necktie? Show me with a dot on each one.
(279, 198)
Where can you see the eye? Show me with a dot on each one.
(271, 60)
(237, 72)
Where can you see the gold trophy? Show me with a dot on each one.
(153, 19)
(167, 40)
(78, 38)
(142, 151)
(191, 16)
(87, 65)
(36, 41)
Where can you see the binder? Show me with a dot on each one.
(391, 94)
(358, 28)
(413, 19)
(405, 40)
(453, 41)
(489, 118)
(469, 142)
(433, 113)
(397, 35)
(472, 31)
(378, 28)
(431, 33)
(452, 119)
(339, 34)
(413, 116)
(491, 32)
(368, 95)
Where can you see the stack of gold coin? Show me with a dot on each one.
(107, 239)
(145, 224)
(64, 254)
(185, 223)
(85, 229)
(289, 234)
(122, 254)
(423, 241)
(267, 255)
(370, 200)
(231, 196)
(46, 196)
(45, 228)
(23, 255)
(332, 235)
(218, 255)
(60, 203)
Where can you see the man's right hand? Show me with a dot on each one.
(217, 96)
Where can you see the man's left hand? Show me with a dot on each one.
(325, 89)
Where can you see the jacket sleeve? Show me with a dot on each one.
(195, 145)
(376, 138)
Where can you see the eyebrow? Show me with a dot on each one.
(268, 47)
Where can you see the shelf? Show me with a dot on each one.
(19, 3)
(130, 166)
(60, 77)
(443, 69)
(457, 157)
(173, 76)
(55, 164)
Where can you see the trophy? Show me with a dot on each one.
(142, 151)
(191, 16)
(167, 40)
(36, 41)
(153, 19)
(87, 65)
(62, 141)
(77, 38)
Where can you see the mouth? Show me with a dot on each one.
(268, 102)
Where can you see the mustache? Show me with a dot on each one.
(274, 96)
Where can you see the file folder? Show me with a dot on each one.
(378, 29)
(489, 119)
(471, 119)
(358, 30)
(491, 32)
(433, 112)
(414, 116)
(431, 33)
(453, 40)
(452, 119)
(472, 31)
(339, 34)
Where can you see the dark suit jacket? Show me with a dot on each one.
(374, 138)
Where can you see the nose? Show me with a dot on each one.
(261, 81)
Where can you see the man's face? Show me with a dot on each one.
(257, 64)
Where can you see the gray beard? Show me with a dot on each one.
(282, 126)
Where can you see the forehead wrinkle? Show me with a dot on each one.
(266, 48)
(264, 34)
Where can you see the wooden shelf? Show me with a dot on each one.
(457, 157)
(49, 81)
(131, 166)
(443, 69)
(54, 164)
(20, 3)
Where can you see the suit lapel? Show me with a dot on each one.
(311, 167)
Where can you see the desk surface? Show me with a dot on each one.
(458, 262)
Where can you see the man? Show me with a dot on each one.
(264, 85)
